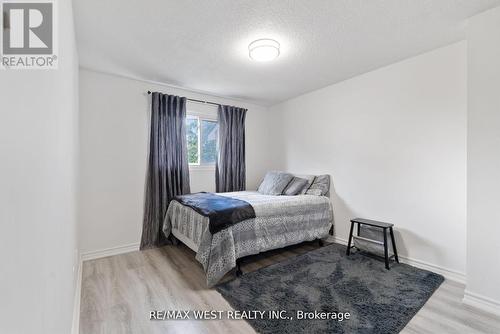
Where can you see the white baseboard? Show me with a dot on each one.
(97, 254)
(75, 327)
(481, 302)
(449, 274)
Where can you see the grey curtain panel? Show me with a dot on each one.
(168, 170)
(230, 172)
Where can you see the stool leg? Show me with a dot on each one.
(348, 251)
(394, 246)
(238, 268)
(385, 250)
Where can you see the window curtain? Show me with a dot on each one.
(230, 172)
(168, 170)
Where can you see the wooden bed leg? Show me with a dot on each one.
(321, 243)
(238, 268)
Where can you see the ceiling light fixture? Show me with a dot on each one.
(264, 50)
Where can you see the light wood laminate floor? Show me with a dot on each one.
(118, 292)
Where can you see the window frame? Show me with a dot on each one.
(201, 115)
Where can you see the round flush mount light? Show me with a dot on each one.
(264, 50)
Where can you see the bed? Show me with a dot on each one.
(279, 221)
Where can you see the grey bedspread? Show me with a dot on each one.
(280, 221)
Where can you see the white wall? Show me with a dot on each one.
(114, 122)
(38, 168)
(483, 221)
(394, 141)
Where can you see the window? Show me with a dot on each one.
(202, 137)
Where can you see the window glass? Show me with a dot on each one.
(208, 141)
(192, 140)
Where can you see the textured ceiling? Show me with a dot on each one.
(202, 45)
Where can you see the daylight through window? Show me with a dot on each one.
(201, 136)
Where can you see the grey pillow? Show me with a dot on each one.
(309, 178)
(295, 186)
(320, 186)
(274, 183)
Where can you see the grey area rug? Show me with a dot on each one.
(326, 280)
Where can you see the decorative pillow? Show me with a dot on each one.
(274, 183)
(320, 186)
(295, 186)
(310, 180)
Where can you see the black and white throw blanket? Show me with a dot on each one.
(222, 211)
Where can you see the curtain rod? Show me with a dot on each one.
(199, 101)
